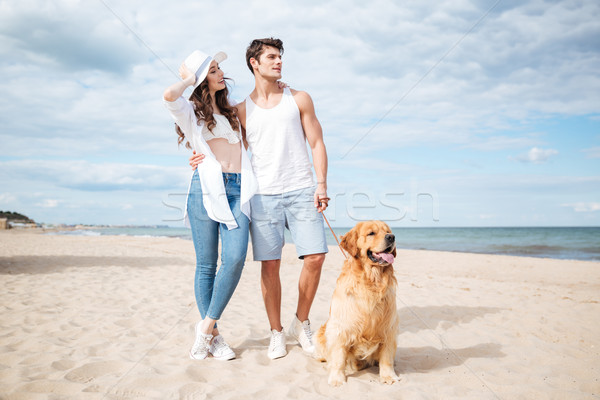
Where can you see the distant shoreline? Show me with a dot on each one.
(563, 243)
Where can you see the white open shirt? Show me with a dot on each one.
(210, 171)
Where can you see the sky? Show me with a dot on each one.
(434, 113)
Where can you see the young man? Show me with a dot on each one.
(278, 122)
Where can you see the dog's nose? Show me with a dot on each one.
(390, 238)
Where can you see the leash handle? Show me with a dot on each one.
(333, 233)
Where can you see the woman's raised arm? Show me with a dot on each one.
(175, 91)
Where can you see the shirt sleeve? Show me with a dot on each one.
(182, 112)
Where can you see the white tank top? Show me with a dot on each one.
(278, 145)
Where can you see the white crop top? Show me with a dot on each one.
(221, 130)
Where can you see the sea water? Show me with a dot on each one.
(577, 243)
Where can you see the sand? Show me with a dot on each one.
(111, 317)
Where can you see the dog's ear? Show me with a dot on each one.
(348, 242)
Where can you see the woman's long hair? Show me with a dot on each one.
(203, 109)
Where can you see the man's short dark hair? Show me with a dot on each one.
(257, 47)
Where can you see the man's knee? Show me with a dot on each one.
(314, 261)
(270, 268)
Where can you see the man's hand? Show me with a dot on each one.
(196, 159)
(321, 199)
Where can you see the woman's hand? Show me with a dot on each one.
(186, 74)
(176, 90)
(196, 159)
(282, 85)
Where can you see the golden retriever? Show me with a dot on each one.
(363, 321)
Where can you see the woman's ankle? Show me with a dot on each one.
(207, 326)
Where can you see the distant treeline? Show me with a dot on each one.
(14, 216)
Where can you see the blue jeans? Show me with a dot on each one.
(214, 289)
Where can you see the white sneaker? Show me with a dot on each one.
(221, 350)
(277, 346)
(201, 345)
(302, 333)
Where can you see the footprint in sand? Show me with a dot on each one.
(194, 391)
(63, 365)
(90, 371)
(125, 323)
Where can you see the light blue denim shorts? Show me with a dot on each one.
(295, 210)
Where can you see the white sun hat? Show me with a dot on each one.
(199, 63)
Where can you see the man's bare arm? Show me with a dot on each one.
(314, 136)
(241, 113)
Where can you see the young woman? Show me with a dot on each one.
(219, 192)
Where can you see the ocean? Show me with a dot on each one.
(575, 243)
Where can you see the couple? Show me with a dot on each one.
(275, 189)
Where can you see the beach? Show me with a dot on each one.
(112, 317)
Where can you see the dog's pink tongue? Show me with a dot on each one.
(387, 257)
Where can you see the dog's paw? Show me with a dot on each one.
(318, 355)
(389, 378)
(336, 378)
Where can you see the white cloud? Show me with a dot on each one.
(583, 206)
(495, 143)
(593, 152)
(49, 203)
(86, 176)
(7, 199)
(67, 35)
(537, 155)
